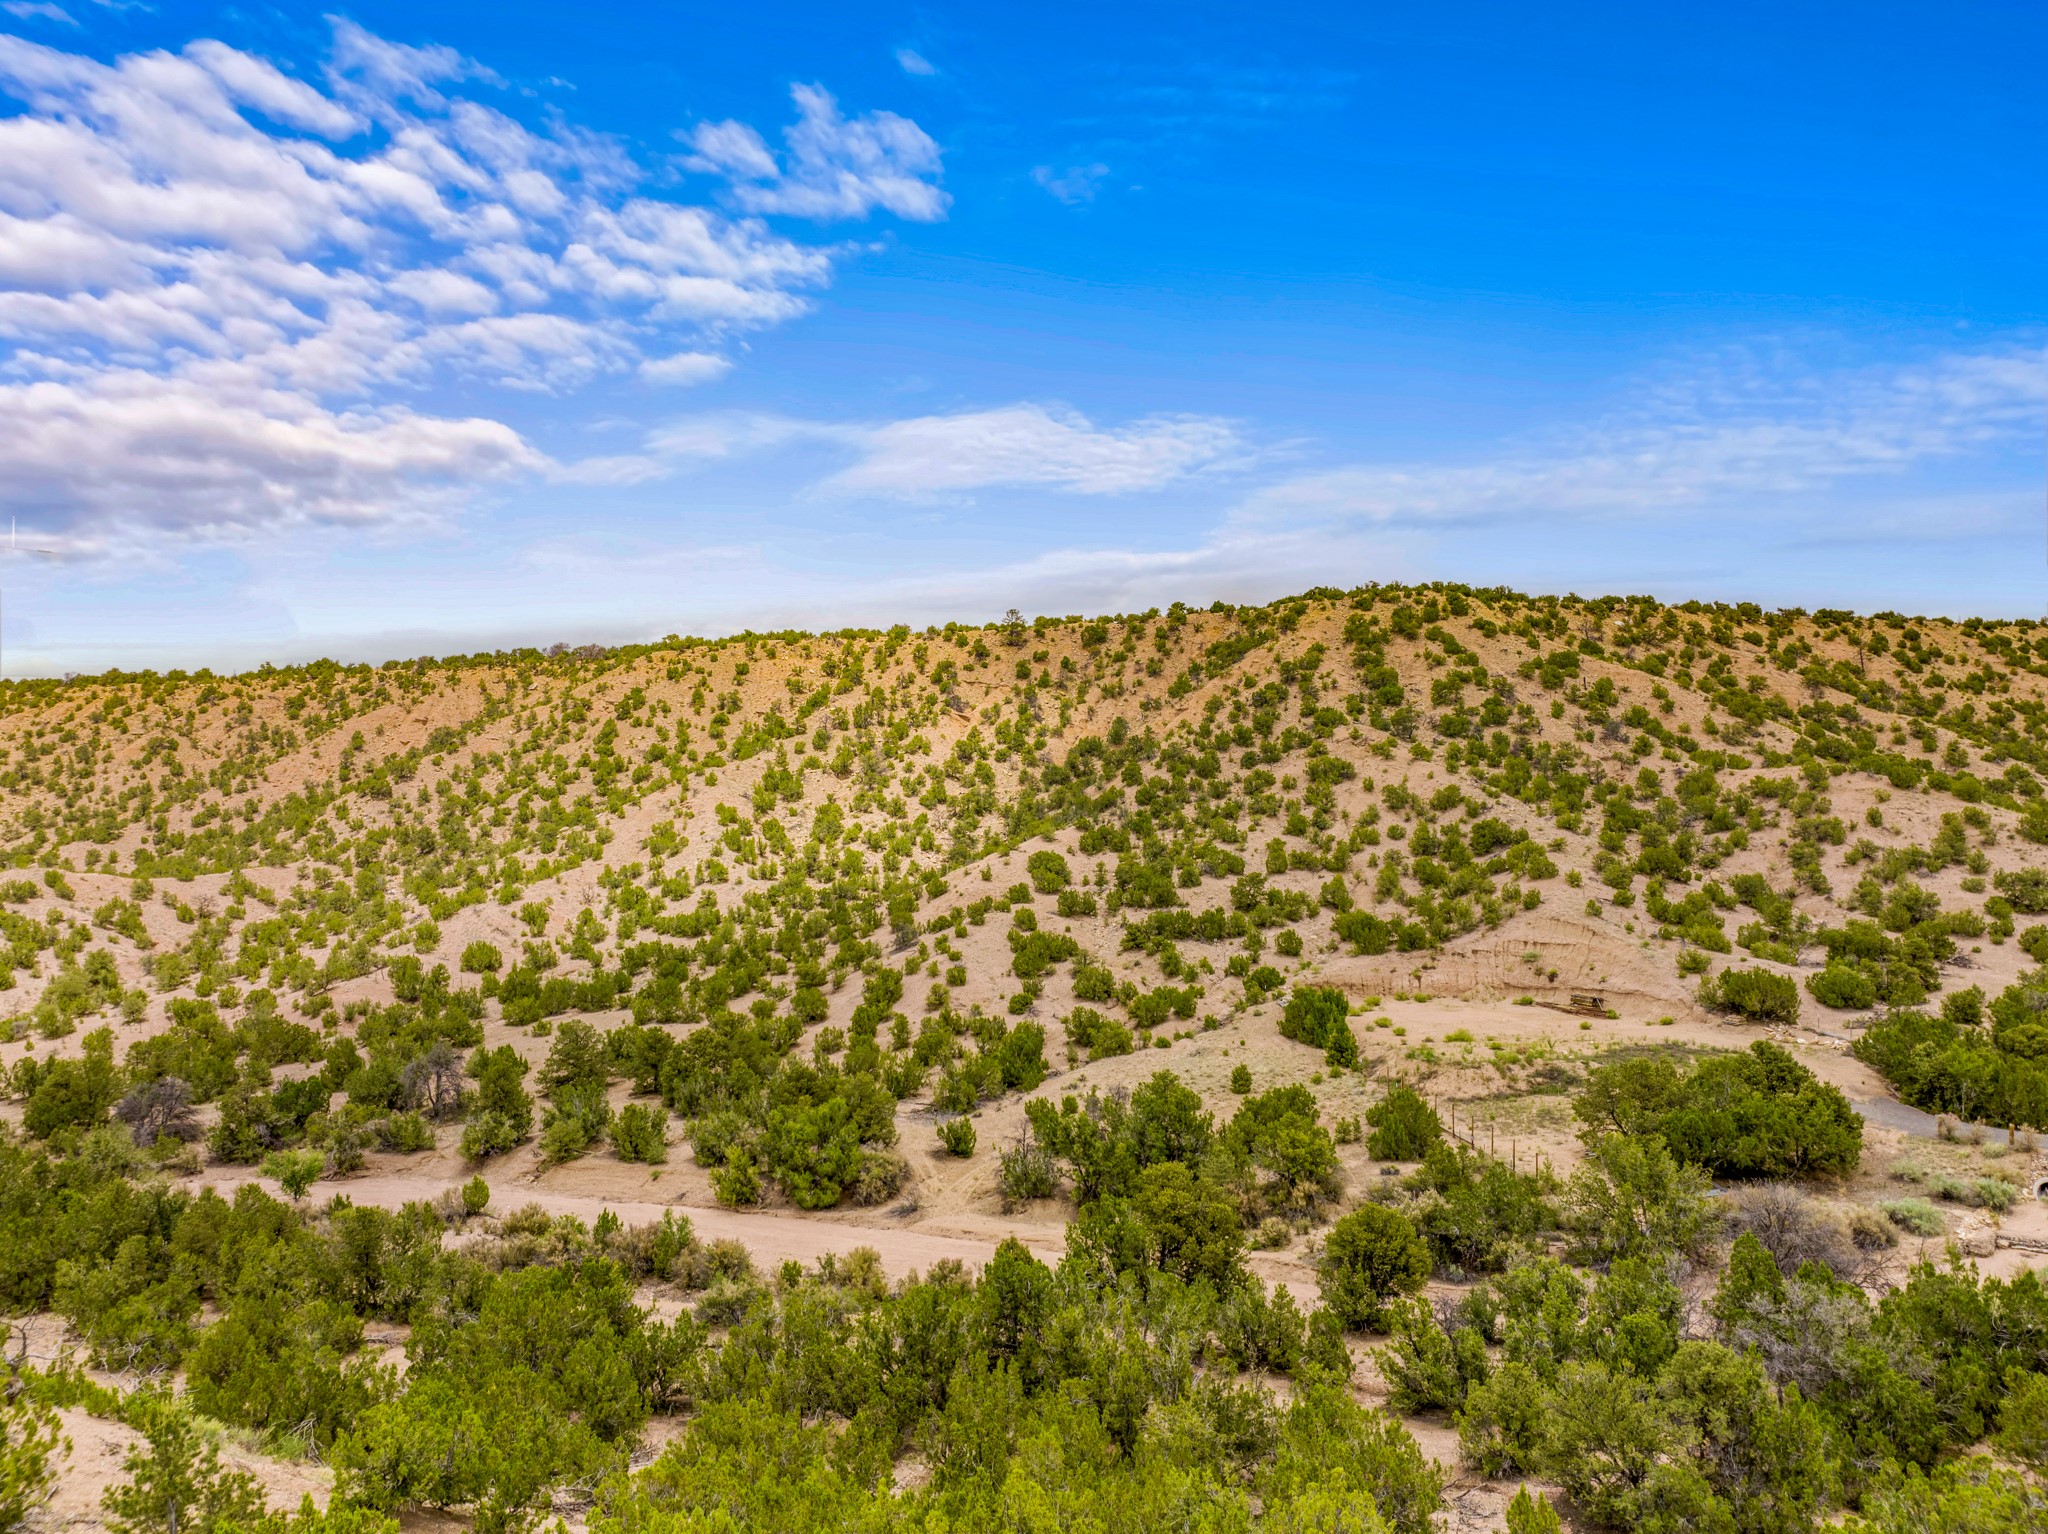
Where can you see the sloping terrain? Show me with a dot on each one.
(749, 928)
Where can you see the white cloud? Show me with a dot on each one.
(1076, 184)
(1741, 432)
(733, 149)
(685, 368)
(1014, 446)
(441, 292)
(618, 469)
(1222, 563)
(40, 10)
(708, 438)
(834, 167)
(201, 237)
(911, 62)
(127, 455)
(253, 82)
(1032, 445)
(385, 73)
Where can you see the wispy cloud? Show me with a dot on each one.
(1743, 432)
(1077, 183)
(686, 368)
(1716, 462)
(1033, 445)
(1737, 432)
(1014, 446)
(221, 285)
(911, 62)
(1210, 95)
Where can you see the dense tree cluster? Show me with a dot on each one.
(531, 1362)
(1978, 1060)
(1805, 1397)
(1759, 1114)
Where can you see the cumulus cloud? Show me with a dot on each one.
(104, 458)
(832, 166)
(202, 242)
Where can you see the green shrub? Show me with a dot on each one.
(1631, 1198)
(1844, 987)
(1020, 1057)
(481, 958)
(1993, 1193)
(501, 1114)
(32, 1446)
(1369, 1256)
(295, 1171)
(2026, 888)
(728, 1301)
(1319, 1016)
(1093, 982)
(1279, 1150)
(69, 1094)
(640, 1133)
(1365, 932)
(957, 1135)
(175, 1481)
(2023, 1418)
(1480, 1214)
(1426, 1367)
(1533, 1515)
(1756, 994)
(1191, 1228)
(1048, 871)
(1404, 1127)
(1947, 1064)
(736, 1184)
(1258, 1328)
(404, 1133)
(1915, 1216)
(563, 1137)
(1026, 1171)
(1099, 1036)
(486, 1134)
(878, 1176)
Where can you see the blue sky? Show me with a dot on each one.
(441, 326)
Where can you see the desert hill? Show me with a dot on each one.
(809, 936)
